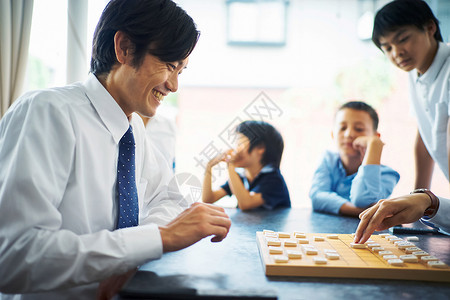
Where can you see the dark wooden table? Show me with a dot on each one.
(234, 264)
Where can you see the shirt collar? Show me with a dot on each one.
(430, 75)
(266, 169)
(107, 108)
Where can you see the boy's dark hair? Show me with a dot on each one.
(400, 13)
(263, 134)
(359, 105)
(158, 27)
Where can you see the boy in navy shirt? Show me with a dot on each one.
(350, 181)
(259, 150)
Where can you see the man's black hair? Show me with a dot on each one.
(400, 13)
(262, 134)
(158, 27)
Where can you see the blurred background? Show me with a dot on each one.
(287, 62)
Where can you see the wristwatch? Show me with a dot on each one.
(432, 209)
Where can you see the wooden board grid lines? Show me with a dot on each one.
(352, 263)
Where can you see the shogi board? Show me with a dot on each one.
(352, 263)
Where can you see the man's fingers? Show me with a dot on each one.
(366, 217)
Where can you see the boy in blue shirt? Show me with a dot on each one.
(350, 181)
(259, 150)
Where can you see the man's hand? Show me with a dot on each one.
(195, 223)
(387, 213)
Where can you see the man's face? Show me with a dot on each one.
(410, 48)
(142, 89)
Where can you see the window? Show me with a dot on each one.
(257, 22)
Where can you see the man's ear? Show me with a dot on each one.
(431, 28)
(261, 150)
(122, 47)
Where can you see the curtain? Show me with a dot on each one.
(15, 27)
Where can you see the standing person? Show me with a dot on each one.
(350, 180)
(77, 176)
(408, 34)
(258, 156)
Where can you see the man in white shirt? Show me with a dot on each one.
(59, 161)
(408, 33)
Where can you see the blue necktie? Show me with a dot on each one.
(126, 182)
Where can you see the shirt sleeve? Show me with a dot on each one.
(226, 188)
(372, 183)
(442, 218)
(323, 198)
(37, 146)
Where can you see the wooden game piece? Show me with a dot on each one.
(420, 253)
(357, 246)
(319, 238)
(390, 256)
(400, 242)
(377, 249)
(405, 245)
(392, 241)
(307, 246)
(284, 235)
(299, 235)
(395, 262)
(266, 231)
(412, 249)
(372, 245)
(311, 251)
(273, 242)
(409, 258)
(331, 255)
(294, 254)
(385, 252)
(391, 237)
(329, 251)
(320, 260)
(332, 236)
(384, 235)
(290, 243)
(412, 238)
(271, 235)
(428, 258)
(303, 241)
(437, 264)
(275, 250)
(280, 258)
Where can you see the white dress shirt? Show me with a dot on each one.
(58, 207)
(430, 99)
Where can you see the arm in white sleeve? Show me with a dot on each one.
(442, 218)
